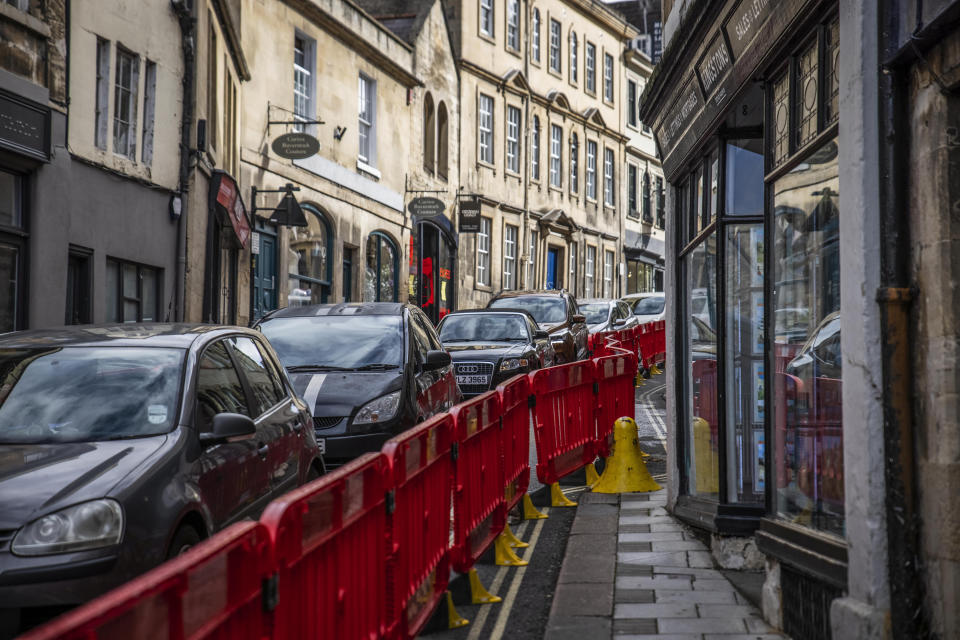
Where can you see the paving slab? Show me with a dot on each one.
(706, 584)
(628, 625)
(676, 545)
(659, 582)
(656, 610)
(583, 599)
(577, 627)
(701, 559)
(692, 571)
(701, 625)
(655, 558)
(725, 610)
(698, 597)
(649, 537)
(606, 524)
(621, 596)
(645, 519)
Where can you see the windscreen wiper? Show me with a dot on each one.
(313, 368)
(376, 366)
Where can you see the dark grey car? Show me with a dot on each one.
(123, 445)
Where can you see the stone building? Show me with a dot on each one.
(541, 107)
(810, 151)
(88, 167)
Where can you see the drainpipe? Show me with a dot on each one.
(525, 236)
(188, 27)
(894, 297)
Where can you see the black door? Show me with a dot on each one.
(348, 274)
(78, 289)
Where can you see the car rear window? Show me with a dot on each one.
(648, 306)
(596, 312)
(543, 309)
(483, 327)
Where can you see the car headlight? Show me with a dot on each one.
(90, 525)
(513, 363)
(379, 410)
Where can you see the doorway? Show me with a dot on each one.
(348, 254)
(435, 293)
(554, 268)
(265, 271)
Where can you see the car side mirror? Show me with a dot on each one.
(619, 322)
(229, 427)
(579, 318)
(436, 360)
(540, 334)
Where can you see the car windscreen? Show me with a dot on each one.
(543, 309)
(86, 394)
(483, 327)
(596, 312)
(648, 306)
(337, 342)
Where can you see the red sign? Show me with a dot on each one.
(229, 198)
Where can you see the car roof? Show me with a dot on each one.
(597, 301)
(139, 334)
(500, 310)
(339, 309)
(558, 293)
(647, 294)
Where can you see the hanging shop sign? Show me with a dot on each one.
(469, 216)
(229, 206)
(295, 145)
(24, 127)
(426, 207)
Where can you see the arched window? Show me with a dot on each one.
(443, 144)
(382, 269)
(429, 131)
(310, 259)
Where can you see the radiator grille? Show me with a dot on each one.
(326, 422)
(806, 605)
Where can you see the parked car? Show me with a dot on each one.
(607, 315)
(367, 371)
(124, 445)
(488, 347)
(647, 307)
(556, 312)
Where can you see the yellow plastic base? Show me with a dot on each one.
(505, 557)
(454, 619)
(514, 541)
(640, 381)
(625, 470)
(592, 476)
(529, 511)
(654, 370)
(557, 499)
(479, 593)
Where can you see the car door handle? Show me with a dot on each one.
(262, 451)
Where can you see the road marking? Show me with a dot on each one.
(498, 579)
(659, 426)
(501, 623)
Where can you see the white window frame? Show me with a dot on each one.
(608, 274)
(128, 93)
(574, 163)
(556, 156)
(572, 267)
(535, 39)
(513, 139)
(591, 169)
(591, 65)
(532, 260)
(513, 25)
(573, 56)
(608, 77)
(535, 150)
(588, 275)
(608, 178)
(304, 81)
(102, 113)
(555, 47)
(483, 253)
(149, 111)
(509, 278)
(367, 121)
(486, 17)
(485, 128)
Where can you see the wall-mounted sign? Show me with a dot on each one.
(746, 22)
(426, 207)
(687, 105)
(229, 206)
(469, 216)
(714, 65)
(295, 145)
(24, 127)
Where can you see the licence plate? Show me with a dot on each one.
(322, 444)
(473, 380)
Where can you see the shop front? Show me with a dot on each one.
(746, 116)
(228, 236)
(644, 257)
(432, 266)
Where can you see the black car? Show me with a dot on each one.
(489, 347)
(557, 313)
(367, 371)
(124, 445)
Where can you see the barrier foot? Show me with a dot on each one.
(479, 593)
(454, 619)
(505, 557)
(625, 470)
(592, 476)
(557, 499)
(512, 539)
(640, 381)
(529, 511)
(654, 370)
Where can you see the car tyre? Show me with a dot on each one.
(185, 538)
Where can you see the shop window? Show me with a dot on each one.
(311, 260)
(382, 269)
(807, 389)
(132, 292)
(744, 178)
(806, 98)
(831, 62)
(781, 119)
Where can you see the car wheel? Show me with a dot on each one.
(313, 474)
(185, 538)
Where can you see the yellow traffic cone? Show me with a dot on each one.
(479, 593)
(530, 512)
(625, 470)
(557, 499)
(592, 475)
(454, 619)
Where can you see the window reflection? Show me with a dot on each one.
(310, 260)
(380, 283)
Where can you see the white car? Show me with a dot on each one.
(647, 307)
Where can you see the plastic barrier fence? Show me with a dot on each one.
(212, 591)
(563, 419)
(330, 546)
(479, 510)
(515, 438)
(419, 529)
(615, 399)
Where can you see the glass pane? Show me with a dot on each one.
(388, 280)
(310, 244)
(113, 290)
(807, 95)
(831, 62)
(218, 387)
(9, 259)
(130, 308)
(808, 420)
(781, 119)
(702, 463)
(697, 203)
(130, 281)
(9, 199)
(148, 293)
(744, 187)
(714, 172)
(746, 475)
(370, 272)
(254, 369)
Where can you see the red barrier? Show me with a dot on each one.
(515, 438)
(615, 396)
(645, 342)
(331, 550)
(419, 531)
(660, 347)
(564, 428)
(212, 591)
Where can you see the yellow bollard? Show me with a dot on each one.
(592, 476)
(625, 470)
(478, 593)
(706, 465)
(454, 619)
(514, 541)
(557, 499)
(530, 512)
(504, 555)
